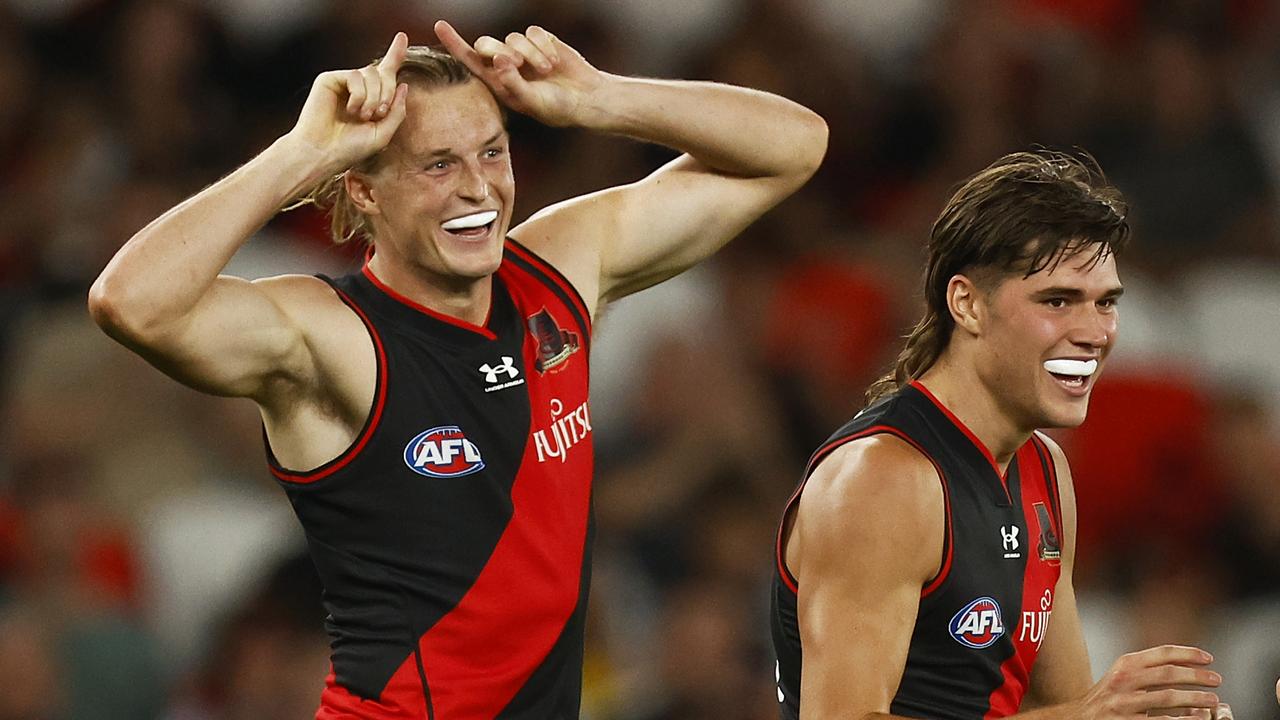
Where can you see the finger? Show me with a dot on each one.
(529, 52)
(459, 48)
(544, 41)
(492, 48)
(1278, 691)
(387, 70)
(373, 92)
(1223, 712)
(1171, 675)
(391, 62)
(356, 92)
(1168, 655)
(1166, 701)
(395, 114)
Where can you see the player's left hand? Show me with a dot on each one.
(533, 72)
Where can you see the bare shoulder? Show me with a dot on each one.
(881, 469)
(298, 295)
(879, 494)
(311, 305)
(570, 236)
(341, 351)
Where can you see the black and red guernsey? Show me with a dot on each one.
(453, 537)
(982, 618)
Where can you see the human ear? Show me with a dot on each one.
(965, 301)
(360, 190)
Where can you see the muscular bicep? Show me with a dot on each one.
(868, 536)
(677, 217)
(236, 341)
(624, 239)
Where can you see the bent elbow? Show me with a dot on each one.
(818, 135)
(102, 306)
(109, 309)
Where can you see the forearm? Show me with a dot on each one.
(164, 270)
(732, 129)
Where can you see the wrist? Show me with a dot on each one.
(299, 164)
(597, 105)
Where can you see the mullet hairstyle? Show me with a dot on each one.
(423, 66)
(1022, 214)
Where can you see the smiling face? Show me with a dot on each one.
(441, 194)
(1043, 339)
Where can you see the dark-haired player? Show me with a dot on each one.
(923, 567)
(428, 415)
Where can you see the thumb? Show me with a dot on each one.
(395, 115)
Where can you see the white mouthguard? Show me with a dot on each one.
(471, 221)
(1062, 366)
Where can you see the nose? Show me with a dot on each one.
(1096, 328)
(472, 184)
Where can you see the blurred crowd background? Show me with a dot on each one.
(149, 568)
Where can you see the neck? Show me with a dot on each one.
(958, 386)
(466, 299)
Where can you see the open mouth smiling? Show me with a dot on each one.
(1073, 374)
(473, 225)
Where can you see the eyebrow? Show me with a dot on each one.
(449, 151)
(1077, 293)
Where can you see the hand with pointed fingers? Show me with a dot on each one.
(533, 72)
(1164, 681)
(352, 114)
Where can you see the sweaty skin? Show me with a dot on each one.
(289, 344)
(860, 582)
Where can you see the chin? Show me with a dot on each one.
(476, 265)
(1066, 415)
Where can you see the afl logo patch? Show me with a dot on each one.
(979, 624)
(443, 452)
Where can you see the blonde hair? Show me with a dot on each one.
(425, 66)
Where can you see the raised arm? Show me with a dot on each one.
(161, 294)
(744, 151)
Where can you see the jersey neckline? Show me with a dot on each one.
(483, 331)
(974, 440)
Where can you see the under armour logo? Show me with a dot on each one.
(508, 366)
(1009, 533)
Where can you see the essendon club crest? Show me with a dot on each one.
(1050, 549)
(554, 345)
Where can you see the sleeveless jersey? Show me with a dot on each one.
(453, 537)
(982, 618)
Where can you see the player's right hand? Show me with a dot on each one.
(1164, 680)
(352, 114)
